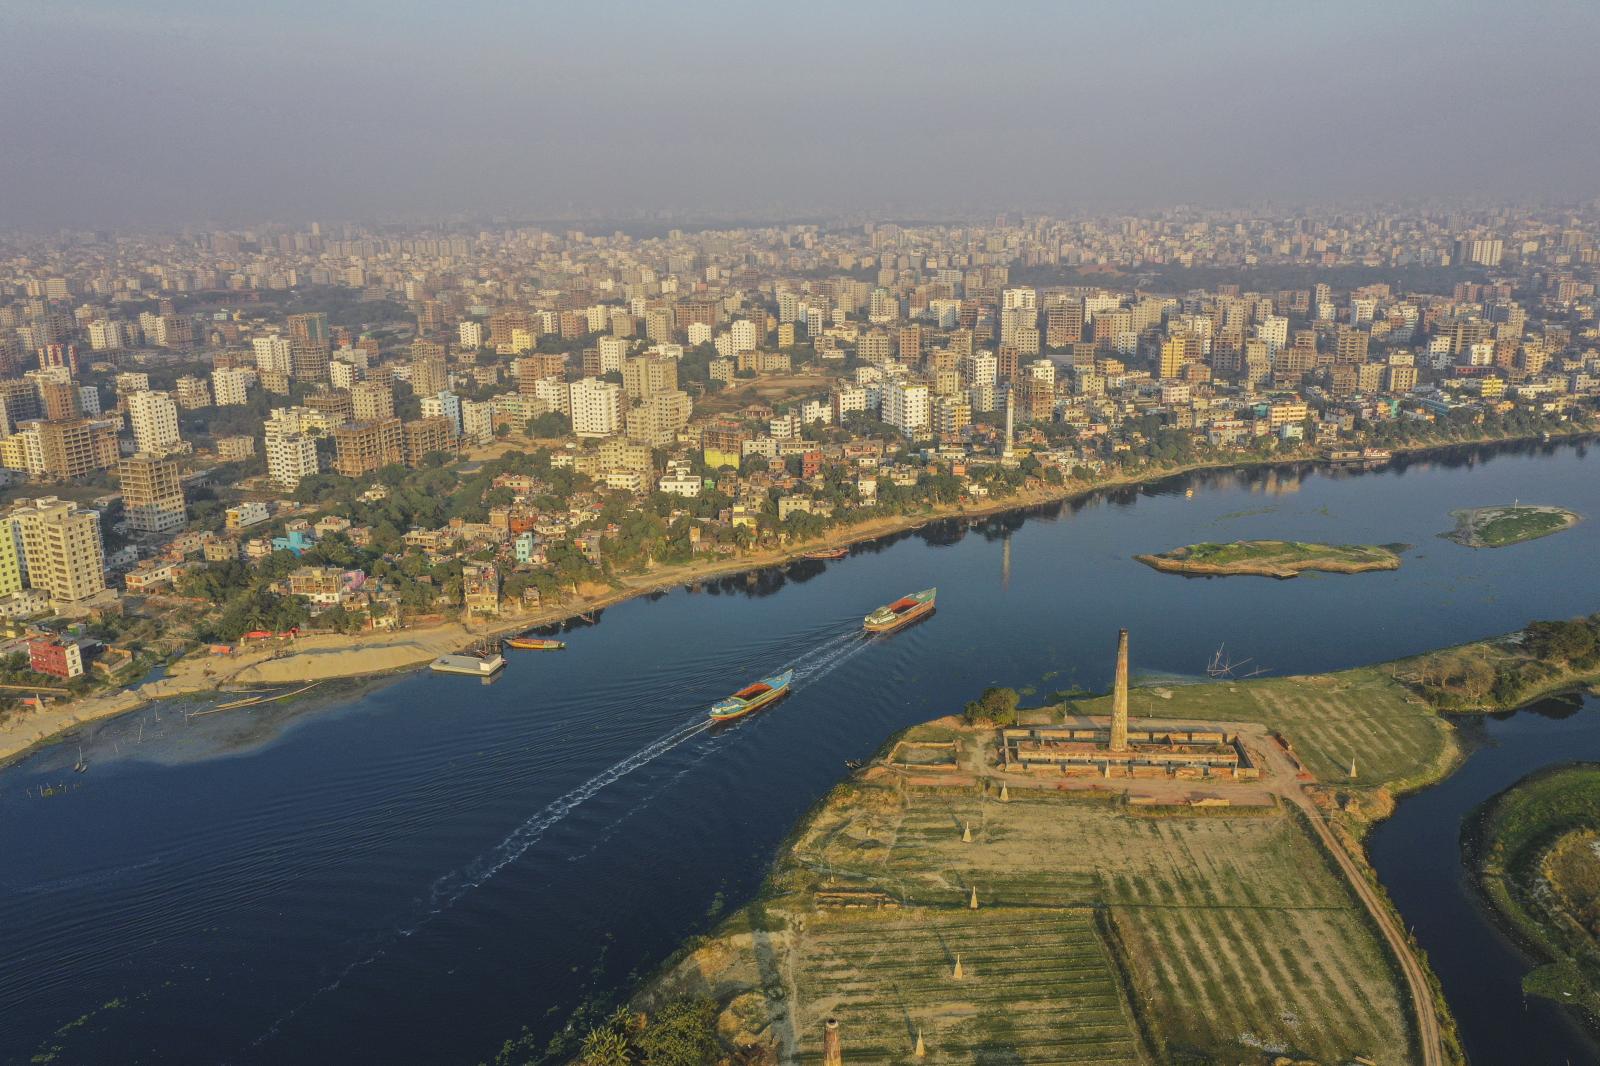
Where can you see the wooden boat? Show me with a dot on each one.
(826, 553)
(752, 697)
(907, 609)
(471, 665)
(535, 644)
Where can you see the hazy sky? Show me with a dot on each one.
(135, 111)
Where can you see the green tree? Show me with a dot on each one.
(997, 706)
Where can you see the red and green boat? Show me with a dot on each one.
(904, 611)
(752, 697)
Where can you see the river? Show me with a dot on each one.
(410, 871)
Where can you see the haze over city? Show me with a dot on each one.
(828, 534)
(178, 111)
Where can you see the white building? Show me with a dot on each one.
(443, 404)
(477, 421)
(743, 333)
(231, 385)
(596, 407)
(272, 353)
(291, 455)
(906, 407)
(471, 334)
(153, 418)
(1274, 331)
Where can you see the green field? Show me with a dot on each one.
(1272, 558)
(1037, 987)
(1330, 719)
(1231, 930)
(1496, 527)
(1537, 850)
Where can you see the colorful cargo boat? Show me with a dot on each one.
(752, 697)
(905, 610)
(827, 553)
(535, 644)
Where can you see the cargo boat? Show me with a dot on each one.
(905, 610)
(535, 644)
(471, 665)
(752, 697)
(827, 553)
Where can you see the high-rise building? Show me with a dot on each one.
(232, 385)
(365, 446)
(906, 407)
(75, 447)
(645, 375)
(62, 552)
(425, 436)
(291, 455)
(659, 417)
(596, 407)
(192, 392)
(371, 400)
(429, 376)
(309, 346)
(273, 354)
(152, 494)
(153, 418)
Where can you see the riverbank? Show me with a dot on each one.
(968, 867)
(328, 656)
(1531, 852)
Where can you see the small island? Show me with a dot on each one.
(1537, 862)
(1273, 558)
(1495, 527)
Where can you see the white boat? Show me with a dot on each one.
(471, 665)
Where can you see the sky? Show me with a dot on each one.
(159, 112)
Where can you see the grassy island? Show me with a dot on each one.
(1496, 527)
(1272, 558)
(1537, 855)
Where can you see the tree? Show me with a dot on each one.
(681, 1034)
(997, 706)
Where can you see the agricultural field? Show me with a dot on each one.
(1273, 558)
(1036, 987)
(1364, 714)
(1104, 933)
(1496, 527)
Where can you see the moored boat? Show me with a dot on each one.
(535, 644)
(472, 665)
(752, 697)
(826, 553)
(906, 609)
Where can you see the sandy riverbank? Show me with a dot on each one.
(327, 656)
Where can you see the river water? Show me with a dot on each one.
(412, 871)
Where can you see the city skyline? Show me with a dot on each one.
(183, 113)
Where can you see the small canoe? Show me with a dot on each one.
(907, 609)
(535, 644)
(827, 553)
(752, 697)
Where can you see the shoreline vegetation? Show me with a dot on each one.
(845, 869)
(1282, 559)
(1533, 852)
(1498, 527)
(330, 655)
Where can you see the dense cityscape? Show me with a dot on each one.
(216, 438)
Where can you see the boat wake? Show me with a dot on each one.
(449, 888)
(828, 657)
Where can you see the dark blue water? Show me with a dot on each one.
(1417, 854)
(414, 872)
